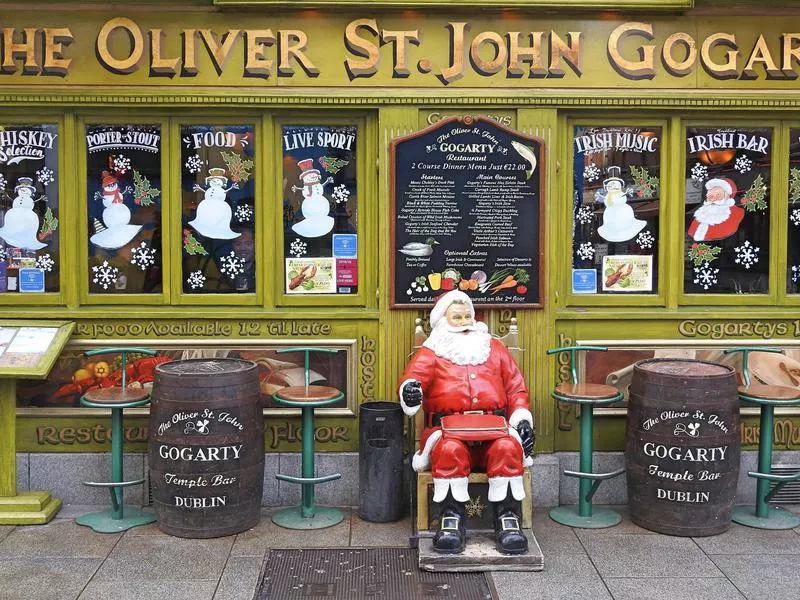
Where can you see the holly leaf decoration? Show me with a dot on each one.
(143, 193)
(191, 246)
(699, 253)
(49, 223)
(754, 197)
(794, 185)
(238, 166)
(332, 164)
(646, 184)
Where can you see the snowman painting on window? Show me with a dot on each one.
(213, 218)
(21, 223)
(619, 222)
(315, 207)
(116, 230)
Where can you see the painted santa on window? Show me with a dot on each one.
(462, 370)
(718, 217)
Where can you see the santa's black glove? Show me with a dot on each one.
(525, 432)
(412, 393)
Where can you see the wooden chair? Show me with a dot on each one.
(477, 481)
(762, 515)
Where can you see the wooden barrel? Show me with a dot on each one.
(682, 450)
(206, 447)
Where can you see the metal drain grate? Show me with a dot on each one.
(790, 493)
(362, 573)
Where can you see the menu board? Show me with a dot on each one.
(467, 210)
(24, 346)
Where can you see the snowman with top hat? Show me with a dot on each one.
(21, 224)
(213, 217)
(619, 222)
(315, 208)
(116, 229)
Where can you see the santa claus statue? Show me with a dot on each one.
(463, 374)
(718, 217)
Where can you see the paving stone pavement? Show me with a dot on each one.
(62, 560)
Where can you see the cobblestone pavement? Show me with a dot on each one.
(62, 560)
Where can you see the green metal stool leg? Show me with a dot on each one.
(116, 463)
(585, 486)
(764, 459)
(307, 489)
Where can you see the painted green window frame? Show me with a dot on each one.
(79, 197)
(367, 213)
(778, 199)
(665, 217)
(780, 187)
(66, 216)
(175, 228)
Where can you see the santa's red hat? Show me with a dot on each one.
(108, 179)
(444, 302)
(723, 182)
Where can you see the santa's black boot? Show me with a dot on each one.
(451, 538)
(508, 528)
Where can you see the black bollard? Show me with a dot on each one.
(380, 462)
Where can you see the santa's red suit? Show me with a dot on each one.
(718, 217)
(495, 386)
(720, 231)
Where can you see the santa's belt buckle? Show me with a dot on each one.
(472, 412)
(509, 523)
(449, 523)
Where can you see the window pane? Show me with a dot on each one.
(29, 235)
(219, 218)
(616, 193)
(123, 165)
(320, 210)
(793, 262)
(727, 198)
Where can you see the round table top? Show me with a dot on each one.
(115, 395)
(771, 393)
(587, 391)
(311, 395)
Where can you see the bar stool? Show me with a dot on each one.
(307, 397)
(762, 515)
(587, 396)
(119, 517)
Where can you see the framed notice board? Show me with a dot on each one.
(467, 212)
(28, 349)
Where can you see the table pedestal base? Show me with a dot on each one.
(292, 518)
(777, 518)
(28, 508)
(104, 521)
(601, 517)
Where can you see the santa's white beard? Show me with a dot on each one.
(711, 214)
(470, 348)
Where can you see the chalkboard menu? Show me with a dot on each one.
(467, 210)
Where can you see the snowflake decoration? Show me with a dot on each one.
(645, 239)
(231, 265)
(105, 275)
(2, 182)
(297, 248)
(341, 194)
(746, 254)
(3, 254)
(705, 275)
(196, 279)
(699, 171)
(194, 163)
(743, 164)
(45, 262)
(45, 176)
(475, 508)
(585, 251)
(795, 273)
(243, 213)
(794, 217)
(143, 256)
(591, 173)
(122, 164)
(584, 215)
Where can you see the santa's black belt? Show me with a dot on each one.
(435, 419)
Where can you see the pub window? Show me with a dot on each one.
(29, 199)
(124, 201)
(320, 209)
(218, 216)
(727, 205)
(615, 209)
(793, 262)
